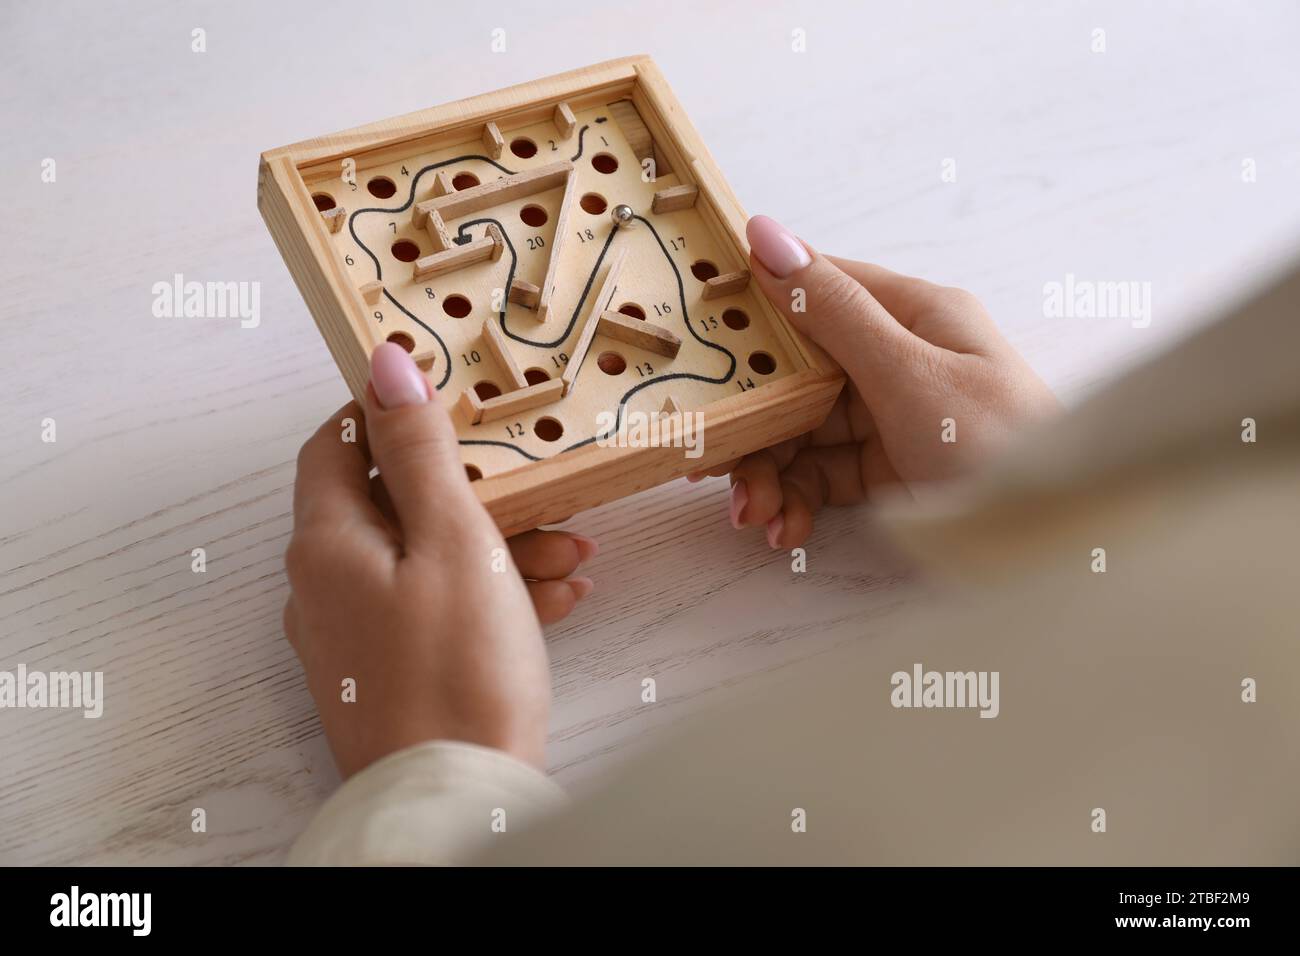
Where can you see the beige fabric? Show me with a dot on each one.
(1119, 691)
(430, 803)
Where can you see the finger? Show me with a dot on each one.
(755, 490)
(848, 420)
(332, 485)
(379, 495)
(555, 600)
(793, 525)
(827, 476)
(415, 448)
(950, 318)
(878, 472)
(814, 478)
(834, 310)
(783, 451)
(904, 296)
(550, 555)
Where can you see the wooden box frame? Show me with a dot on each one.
(554, 488)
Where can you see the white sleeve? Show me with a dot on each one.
(434, 803)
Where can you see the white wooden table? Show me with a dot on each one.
(175, 434)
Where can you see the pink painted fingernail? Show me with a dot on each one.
(695, 476)
(774, 531)
(739, 498)
(397, 379)
(581, 586)
(588, 548)
(776, 248)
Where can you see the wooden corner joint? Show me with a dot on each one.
(495, 340)
(477, 410)
(489, 247)
(433, 214)
(599, 304)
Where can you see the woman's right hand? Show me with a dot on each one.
(934, 389)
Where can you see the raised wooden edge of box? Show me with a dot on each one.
(663, 113)
(551, 490)
(581, 87)
(331, 299)
(548, 490)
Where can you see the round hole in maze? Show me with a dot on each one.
(593, 203)
(402, 339)
(604, 163)
(473, 473)
(523, 147)
(611, 363)
(548, 429)
(735, 319)
(762, 363)
(381, 187)
(464, 181)
(632, 310)
(533, 216)
(485, 390)
(405, 250)
(324, 201)
(536, 376)
(703, 269)
(457, 306)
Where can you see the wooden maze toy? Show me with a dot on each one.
(561, 258)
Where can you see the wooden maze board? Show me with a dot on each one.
(547, 254)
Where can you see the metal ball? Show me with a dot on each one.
(623, 215)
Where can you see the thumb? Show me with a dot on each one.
(414, 445)
(831, 308)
